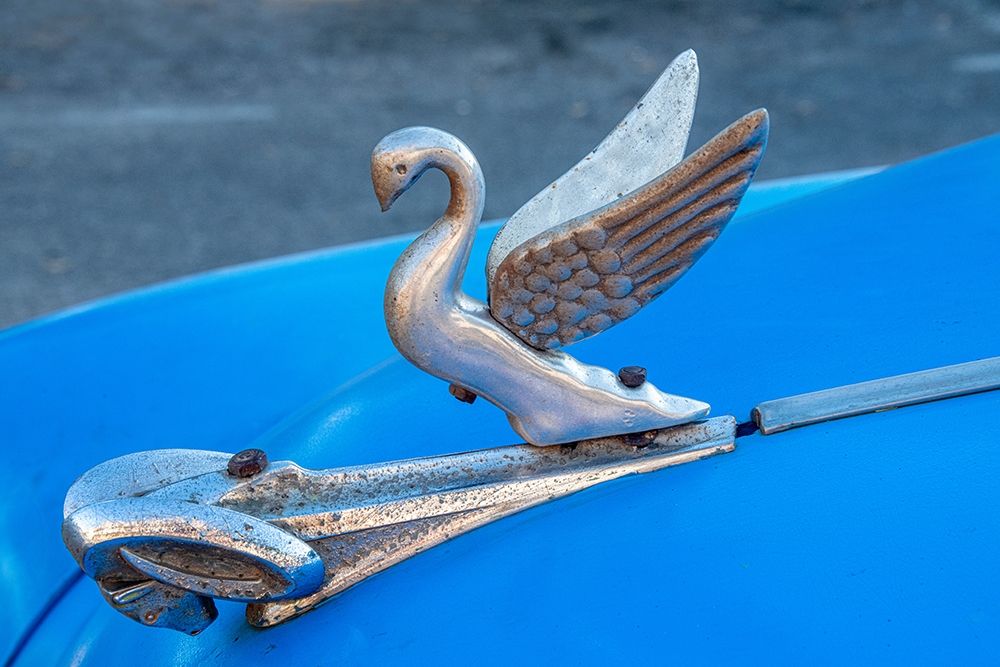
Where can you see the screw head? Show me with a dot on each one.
(247, 463)
(632, 376)
(462, 394)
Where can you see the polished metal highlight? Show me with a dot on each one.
(162, 545)
(877, 395)
(659, 124)
(600, 252)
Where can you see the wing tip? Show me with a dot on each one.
(756, 126)
(687, 57)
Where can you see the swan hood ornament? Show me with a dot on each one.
(587, 252)
(165, 533)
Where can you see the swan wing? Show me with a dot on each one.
(657, 128)
(589, 273)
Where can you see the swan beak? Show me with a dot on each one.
(386, 190)
(383, 193)
(386, 199)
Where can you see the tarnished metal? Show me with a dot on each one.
(570, 280)
(876, 395)
(161, 547)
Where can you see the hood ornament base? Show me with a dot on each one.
(166, 532)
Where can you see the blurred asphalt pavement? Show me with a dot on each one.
(149, 139)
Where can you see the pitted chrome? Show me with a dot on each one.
(287, 539)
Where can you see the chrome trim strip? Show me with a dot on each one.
(877, 395)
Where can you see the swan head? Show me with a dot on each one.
(401, 157)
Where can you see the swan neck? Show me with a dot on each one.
(428, 276)
(455, 231)
(467, 187)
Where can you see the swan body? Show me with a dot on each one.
(568, 281)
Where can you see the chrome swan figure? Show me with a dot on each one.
(164, 533)
(586, 253)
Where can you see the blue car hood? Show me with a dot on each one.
(873, 538)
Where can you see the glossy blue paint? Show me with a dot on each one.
(867, 539)
(206, 362)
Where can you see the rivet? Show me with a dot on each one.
(462, 394)
(247, 463)
(632, 376)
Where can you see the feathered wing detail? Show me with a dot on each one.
(660, 123)
(589, 273)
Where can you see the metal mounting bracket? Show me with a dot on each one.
(165, 532)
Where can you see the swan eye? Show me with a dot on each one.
(401, 169)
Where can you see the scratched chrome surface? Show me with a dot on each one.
(161, 548)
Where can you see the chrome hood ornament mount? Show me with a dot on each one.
(164, 533)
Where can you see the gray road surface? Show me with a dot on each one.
(149, 139)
